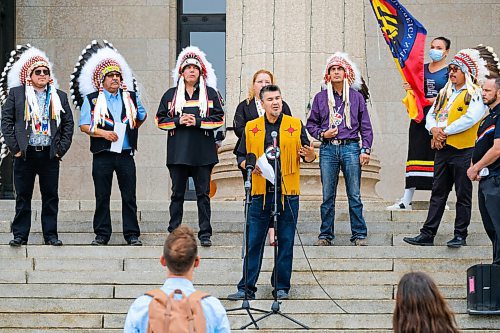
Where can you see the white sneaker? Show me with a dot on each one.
(399, 205)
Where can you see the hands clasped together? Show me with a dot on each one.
(187, 119)
(438, 138)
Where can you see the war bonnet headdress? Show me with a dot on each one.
(476, 64)
(96, 61)
(352, 79)
(192, 55)
(23, 61)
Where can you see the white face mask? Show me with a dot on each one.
(436, 55)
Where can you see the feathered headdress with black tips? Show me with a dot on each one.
(96, 60)
(491, 58)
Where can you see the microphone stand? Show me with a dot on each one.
(245, 305)
(275, 307)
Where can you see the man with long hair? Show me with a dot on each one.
(339, 119)
(190, 112)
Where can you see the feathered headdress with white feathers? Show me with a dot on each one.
(352, 79)
(192, 55)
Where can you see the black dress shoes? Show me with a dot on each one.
(17, 241)
(205, 242)
(99, 240)
(134, 241)
(456, 242)
(422, 240)
(54, 242)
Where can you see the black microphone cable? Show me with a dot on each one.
(304, 250)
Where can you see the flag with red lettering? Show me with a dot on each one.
(405, 37)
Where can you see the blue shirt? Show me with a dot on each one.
(114, 103)
(215, 314)
(41, 137)
(434, 82)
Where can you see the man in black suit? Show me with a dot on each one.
(37, 124)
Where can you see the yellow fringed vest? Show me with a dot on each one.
(289, 144)
(467, 138)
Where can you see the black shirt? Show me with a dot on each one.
(489, 130)
(190, 145)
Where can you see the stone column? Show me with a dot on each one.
(293, 39)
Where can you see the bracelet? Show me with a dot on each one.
(366, 151)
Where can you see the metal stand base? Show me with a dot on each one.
(246, 306)
(275, 310)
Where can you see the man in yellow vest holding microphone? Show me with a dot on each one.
(453, 121)
(260, 137)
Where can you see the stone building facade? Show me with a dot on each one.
(292, 38)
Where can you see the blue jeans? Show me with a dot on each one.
(332, 159)
(258, 225)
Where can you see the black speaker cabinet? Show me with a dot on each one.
(483, 289)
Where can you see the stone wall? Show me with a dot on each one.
(144, 31)
(291, 38)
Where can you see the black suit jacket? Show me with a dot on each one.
(244, 113)
(17, 135)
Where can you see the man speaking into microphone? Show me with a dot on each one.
(273, 134)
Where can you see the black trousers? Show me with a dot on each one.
(25, 170)
(450, 168)
(179, 174)
(489, 207)
(103, 166)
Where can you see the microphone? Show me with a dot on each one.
(276, 150)
(274, 135)
(251, 160)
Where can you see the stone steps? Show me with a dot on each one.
(324, 330)
(235, 239)
(218, 252)
(81, 288)
(341, 227)
(311, 215)
(320, 322)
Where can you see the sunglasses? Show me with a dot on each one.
(42, 72)
(453, 69)
(113, 75)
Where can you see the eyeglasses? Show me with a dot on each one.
(113, 75)
(453, 69)
(42, 72)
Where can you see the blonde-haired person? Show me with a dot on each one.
(251, 108)
(420, 307)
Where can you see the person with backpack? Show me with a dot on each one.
(187, 310)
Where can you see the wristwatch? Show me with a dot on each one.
(321, 135)
(366, 151)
